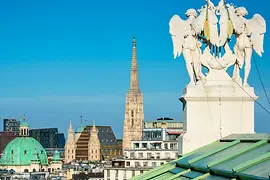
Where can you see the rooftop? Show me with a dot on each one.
(243, 156)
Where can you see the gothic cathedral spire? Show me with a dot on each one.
(134, 114)
(134, 82)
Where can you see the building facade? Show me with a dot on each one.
(70, 145)
(92, 143)
(50, 139)
(11, 125)
(159, 145)
(134, 113)
(110, 147)
(5, 138)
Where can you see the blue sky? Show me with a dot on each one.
(63, 59)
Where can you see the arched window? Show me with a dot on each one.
(68, 151)
(26, 170)
(24, 132)
(34, 170)
(92, 151)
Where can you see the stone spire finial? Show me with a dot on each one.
(94, 129)
(70, 124)
(134, 82)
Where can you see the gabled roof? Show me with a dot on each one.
(244, 156)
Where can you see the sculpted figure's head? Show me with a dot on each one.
(210, 5)
(191, 13)
(241, 11)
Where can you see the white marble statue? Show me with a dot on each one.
(185, 41)
(249, 34)
(204, 40)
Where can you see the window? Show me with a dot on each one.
(133, 173)
(154, 164)
(162, 163)
(116, 174)
(140, 155)
(165, 146)
(136, 145)
(144, 145)
(145, 164)
(68, 151)
(137, 164)
(125, 175)
(167, 155)
(149, 155)
(128, 163)
(132, 155)
(108, 174)
(158, 155)
(12, 152)
(25, 152)
(132, 113)
(96, 151)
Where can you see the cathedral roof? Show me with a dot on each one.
(79, 129)
(105, 135)
(23, 150)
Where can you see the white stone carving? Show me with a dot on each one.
(216, 104)
(204, 41)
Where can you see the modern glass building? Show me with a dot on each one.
(50, 139)
(11, 125)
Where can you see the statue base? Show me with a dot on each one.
(215, 111)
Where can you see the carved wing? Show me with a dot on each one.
(212, 22)
(237, 23)
(178, 30)
(198, 23)
(226, 27)
(257, 28)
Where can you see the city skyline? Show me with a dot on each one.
(56, 66)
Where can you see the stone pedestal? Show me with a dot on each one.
(215, 110)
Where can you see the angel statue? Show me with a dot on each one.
(185, 40)
(249, 34)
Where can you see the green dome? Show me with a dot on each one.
(23, 150)
(56, 156)
(24, 124)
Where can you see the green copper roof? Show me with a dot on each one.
(56, 156)
(245, 156)
(21, 150)
(80, 129)
(24, 124)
